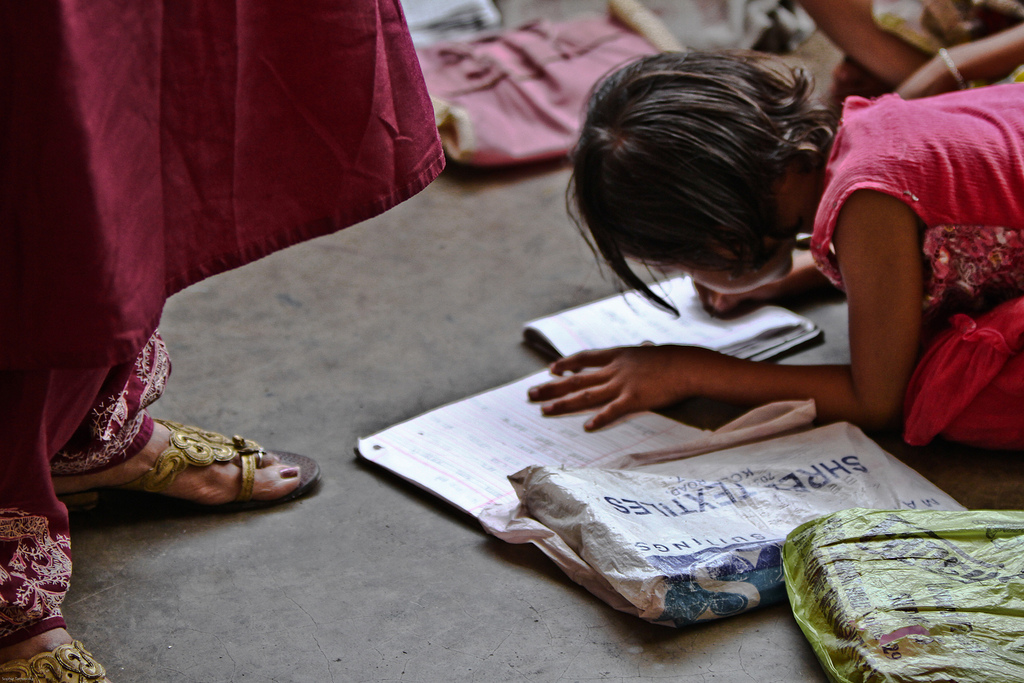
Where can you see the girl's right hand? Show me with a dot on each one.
(619, 381)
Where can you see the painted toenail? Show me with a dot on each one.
(289, 472)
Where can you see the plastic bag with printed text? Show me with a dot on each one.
(681, 541)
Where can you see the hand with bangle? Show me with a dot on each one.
(986, 60)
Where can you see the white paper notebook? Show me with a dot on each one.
(629, 319)
(463, 452)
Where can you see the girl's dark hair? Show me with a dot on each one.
(679, 155)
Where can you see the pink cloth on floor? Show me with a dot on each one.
(523, 91)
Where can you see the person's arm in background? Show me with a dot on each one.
(986, 59)
(904, 68)
(850, 24)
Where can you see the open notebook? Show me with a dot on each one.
(463, 452)
(629, 319)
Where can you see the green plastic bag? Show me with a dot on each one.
(911, 595)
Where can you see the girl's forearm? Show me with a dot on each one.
(750, 383)
(877, 238)
(851, 26)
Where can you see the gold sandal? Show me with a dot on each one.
(191, 446)
(195, 447)
(64, 664)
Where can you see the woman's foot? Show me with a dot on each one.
(215, 484)
(48, 642)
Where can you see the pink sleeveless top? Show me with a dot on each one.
(958, 161)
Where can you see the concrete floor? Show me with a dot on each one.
(370, 579)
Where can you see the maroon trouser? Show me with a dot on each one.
(60, 422)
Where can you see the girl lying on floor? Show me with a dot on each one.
(712, 163)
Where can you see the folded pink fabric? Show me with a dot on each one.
(518, 96)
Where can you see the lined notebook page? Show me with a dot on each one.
(463, 452)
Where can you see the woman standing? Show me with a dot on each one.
(144, 147)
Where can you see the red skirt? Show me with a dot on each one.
(969, 385)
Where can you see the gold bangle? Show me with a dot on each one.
(951, 67)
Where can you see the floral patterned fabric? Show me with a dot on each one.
(973, 269)
(35, 567)
(35, 545)
(118, 426)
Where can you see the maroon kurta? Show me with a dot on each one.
(145, 146)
